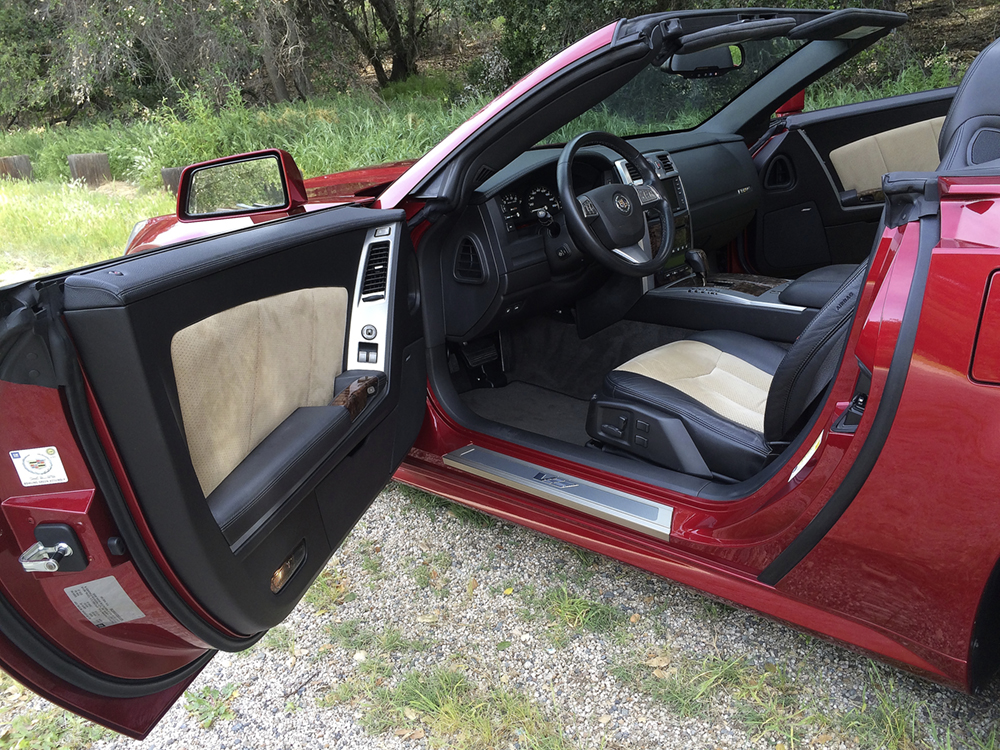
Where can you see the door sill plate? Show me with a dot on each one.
(579, 494)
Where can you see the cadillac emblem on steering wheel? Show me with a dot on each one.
(622, 204)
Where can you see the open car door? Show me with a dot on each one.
(188, 435)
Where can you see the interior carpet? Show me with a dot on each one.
(532, 408)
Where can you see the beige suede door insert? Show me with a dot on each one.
(241, 372)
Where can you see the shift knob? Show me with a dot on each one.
(696, 259)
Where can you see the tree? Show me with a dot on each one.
(386, 28)
(24, 49)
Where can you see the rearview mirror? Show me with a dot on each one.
(706, 63)
(263, 181)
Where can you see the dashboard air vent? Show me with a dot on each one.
(667, 162)
(633, 172)
(376, 272)
(484, 173)
(469, 268)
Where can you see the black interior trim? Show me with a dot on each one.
(126, 352)
(820, 525)
(273, 470)
(440, 378)
(82, 423)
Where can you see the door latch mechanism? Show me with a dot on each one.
(57, 549)
(41, 559)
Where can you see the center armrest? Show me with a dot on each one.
(815, 288)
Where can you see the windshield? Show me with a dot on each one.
(658, 100)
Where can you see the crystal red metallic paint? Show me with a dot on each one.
(903, 569)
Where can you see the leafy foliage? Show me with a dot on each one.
(211, 704)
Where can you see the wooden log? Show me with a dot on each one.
(171, 177)
(92, 169)
(15, 167)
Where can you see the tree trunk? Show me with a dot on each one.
(343, 17)
(270, 59)
(300, 73)
(403, 60)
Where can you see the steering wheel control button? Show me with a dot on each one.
(622, 203)
(589, 209)
(369, 332)
(647, 194)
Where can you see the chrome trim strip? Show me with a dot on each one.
(625, 510)
(373, 312)
(722, 293)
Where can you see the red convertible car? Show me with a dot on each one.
(624, 304)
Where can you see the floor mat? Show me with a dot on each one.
(532, 408)
(549, 353)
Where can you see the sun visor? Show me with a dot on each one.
(848, 24)
(734, 33)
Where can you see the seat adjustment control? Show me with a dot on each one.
(619, 431)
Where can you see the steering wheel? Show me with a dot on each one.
(609, 222)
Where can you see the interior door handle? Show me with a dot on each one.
(355, 397)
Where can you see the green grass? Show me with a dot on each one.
(573, 611)
(352, 635)
(451, 710)
(54, 226)
(329, 590)
(887, 718)
(279, 638)
(432, 505)
(324, 135)
(689, 686)
(913, 78)
(211, 704)
(24, 728)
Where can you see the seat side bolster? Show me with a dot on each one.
(764, 355)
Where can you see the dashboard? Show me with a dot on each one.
(509, 255)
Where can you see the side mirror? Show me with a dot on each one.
(262, 181)
(706, 63)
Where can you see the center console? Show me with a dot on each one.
(770, 308)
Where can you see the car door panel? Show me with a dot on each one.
(807, 217)
(859, 165)
(167, 348)
(209, 379)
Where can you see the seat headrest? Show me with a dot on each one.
(971, 132)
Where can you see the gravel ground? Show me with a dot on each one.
(601, 655)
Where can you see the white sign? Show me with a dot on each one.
(37, 466)
(104, 602)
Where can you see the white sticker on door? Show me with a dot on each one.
(37, 466)
(104, 602)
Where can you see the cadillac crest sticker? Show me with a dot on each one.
(38, 466)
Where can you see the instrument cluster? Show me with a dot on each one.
(521, 209)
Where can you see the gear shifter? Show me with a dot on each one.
(697, 260)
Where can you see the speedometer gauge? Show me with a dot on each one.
(541, 199)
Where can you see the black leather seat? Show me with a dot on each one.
(719, 403)
(970, 136)
(714, 404)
